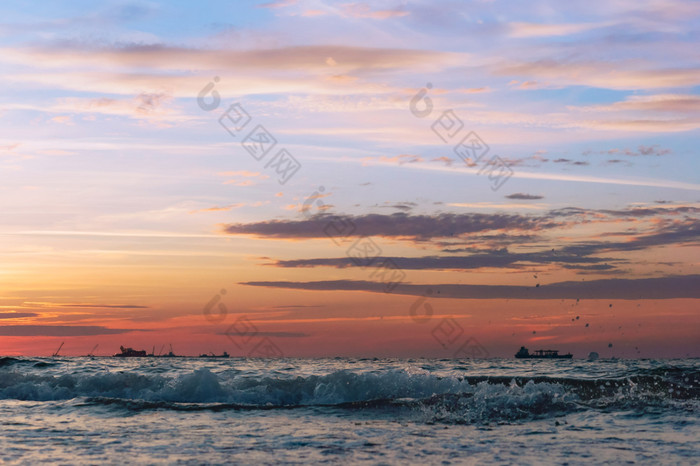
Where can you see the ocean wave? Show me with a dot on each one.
(443, 399)
(204, 386)
(6, 361)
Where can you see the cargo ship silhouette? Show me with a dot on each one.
(541, 354)
(131, 353)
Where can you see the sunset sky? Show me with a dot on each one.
(440, 179)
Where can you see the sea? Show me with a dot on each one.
(90, 410)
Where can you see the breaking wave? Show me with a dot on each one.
(443, 399)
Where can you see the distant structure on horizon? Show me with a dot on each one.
(130, 353)
(523, 353)
(212, 355)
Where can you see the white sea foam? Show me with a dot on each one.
(352, 411)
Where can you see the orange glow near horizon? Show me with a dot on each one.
(135, 188)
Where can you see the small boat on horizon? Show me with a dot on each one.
(131, 353)
(523, 353)
(171, 354)
(212, 355)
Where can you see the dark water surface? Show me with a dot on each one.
(188, 410)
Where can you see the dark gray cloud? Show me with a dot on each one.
(649, 211)
(679, 233)
(295, 306)
(430, 227)
(634, 212)
(500, 258)
(680, 286)
(523, 196)
(580, 256)
(60, 330)
(16, 315)
(594, 267)
(404, 206)
(275, 334)
(653, 150)
(477, 243)
(397, 225)
(571, 162)
(105, 306)
(615, 161)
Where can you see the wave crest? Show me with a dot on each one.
(442, 399)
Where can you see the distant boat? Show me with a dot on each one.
(130, 353)
(541, 354)
(170, 354)
(58, 350)
(212, 355)
(91, 354)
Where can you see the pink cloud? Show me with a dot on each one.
(363, 10)
(278, 4)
